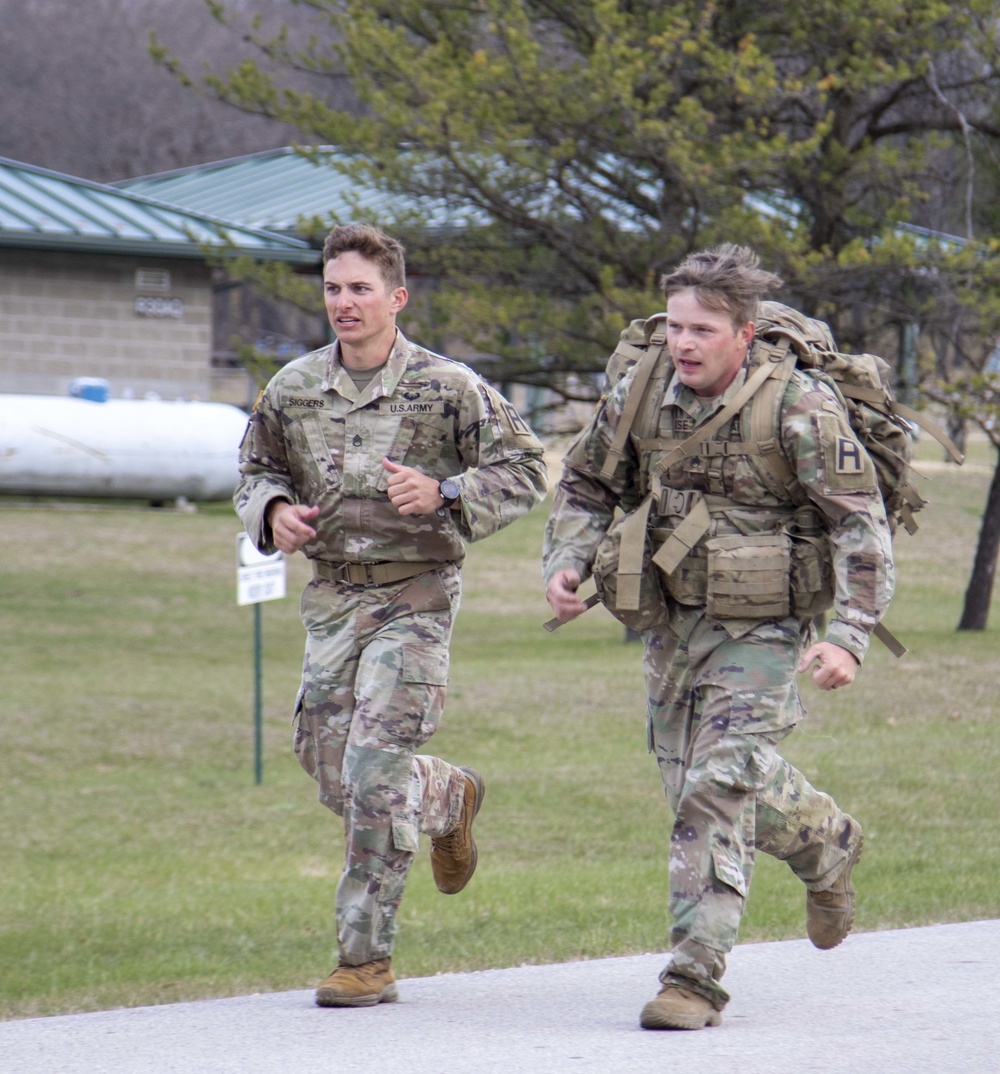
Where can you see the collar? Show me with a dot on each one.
(695, 406)
(337, 378)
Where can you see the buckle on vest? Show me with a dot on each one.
(676, 502)
(723, 447)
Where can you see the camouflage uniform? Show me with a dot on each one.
(376, 659)
(722, 691)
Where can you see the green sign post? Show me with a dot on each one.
(258, 578)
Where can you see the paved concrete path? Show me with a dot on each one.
(913, 1001)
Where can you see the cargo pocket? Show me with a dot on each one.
(811, 566)
(812, 576)
(748, 577)
(405, 835)
(425, 667)
(729, 869)
(397, 452)
(628, 582)
(688, 583)
(303, 742)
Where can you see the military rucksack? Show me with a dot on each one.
(785, 339)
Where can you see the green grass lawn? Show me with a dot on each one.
(141, 864)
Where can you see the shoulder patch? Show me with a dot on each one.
(848, 456)
(847, 466)
(515, 421)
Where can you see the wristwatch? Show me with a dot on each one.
(449, 492)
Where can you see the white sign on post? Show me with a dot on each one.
(258, 577)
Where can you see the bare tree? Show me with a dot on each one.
(79, 92)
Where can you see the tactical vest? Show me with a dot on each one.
(768, 556)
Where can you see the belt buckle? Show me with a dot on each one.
(357, 573)
(361, 573)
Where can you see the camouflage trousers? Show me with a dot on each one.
(718, 706)
(374, 679)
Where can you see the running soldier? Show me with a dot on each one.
(729, 630)
(379, 460)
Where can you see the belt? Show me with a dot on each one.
(371, 573)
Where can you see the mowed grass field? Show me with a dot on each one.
(140, 863)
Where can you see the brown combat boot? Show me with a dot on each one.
(359, 986)
(677, 1008)
(454, 856)
(830, 913)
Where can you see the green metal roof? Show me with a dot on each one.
(278, 188)
(273, 190)
(41, 209)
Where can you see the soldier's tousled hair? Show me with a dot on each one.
(387, 253)
(726, 278)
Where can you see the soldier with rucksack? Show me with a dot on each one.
(723, 563)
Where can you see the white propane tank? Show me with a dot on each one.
(135, 449)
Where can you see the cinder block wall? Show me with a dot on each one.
(143, 324)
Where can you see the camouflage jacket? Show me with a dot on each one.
(314, 438)
(815, 435)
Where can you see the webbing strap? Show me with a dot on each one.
(626, 350)
(764, 422)
(889, 640)
(705, 432)
(683, 538)
(711, 448)
(556, 623)
(932, 427)
(875, 396)
(878, 397)
(630, 556)
(637, 391)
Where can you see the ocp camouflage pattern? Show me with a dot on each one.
(374, 680)
(314, 438)
(814, 430)
(376, 663)
(722, 693)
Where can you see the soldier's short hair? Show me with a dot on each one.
(726, 278)
(374, 245)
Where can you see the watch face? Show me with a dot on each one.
(449, 490)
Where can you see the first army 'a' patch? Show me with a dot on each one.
(847, 466)
(848, 454)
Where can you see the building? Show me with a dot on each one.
(301, 194)
(100, 282)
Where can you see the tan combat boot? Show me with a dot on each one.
(830, 913)
(359, 986)
(677, 1008)
(454, 856)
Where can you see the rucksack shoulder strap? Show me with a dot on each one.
(764, 418)
(642, 372)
